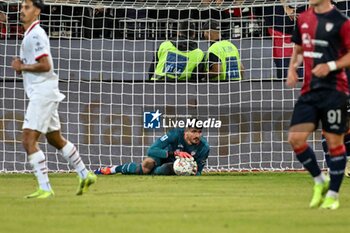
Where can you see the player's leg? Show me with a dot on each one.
(334, 124)
(126, 169)
(131, 168)
(325, 149)
(69, 151)
(297, 138)
(347, 146)
(35, 123)
(337, 163)
(304, 121)
(165, 169)
(38, 162)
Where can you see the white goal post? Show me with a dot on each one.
(102, 51)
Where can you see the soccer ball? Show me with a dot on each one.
(184, 167)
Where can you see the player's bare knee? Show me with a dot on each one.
(292, 139)
(295, 141)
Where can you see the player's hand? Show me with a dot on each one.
(17, 65)
(292, 77)
(182, 154)
(321, 70)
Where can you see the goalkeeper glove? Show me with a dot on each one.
(182, 154)
(179, 154)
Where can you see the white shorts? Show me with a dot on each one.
(42, 116)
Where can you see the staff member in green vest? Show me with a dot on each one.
(178, 59)
(222, 60)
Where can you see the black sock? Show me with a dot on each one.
(307, 157)
(337, 163)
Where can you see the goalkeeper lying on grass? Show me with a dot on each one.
(183, 143)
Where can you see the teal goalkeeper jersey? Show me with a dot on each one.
(174, 141)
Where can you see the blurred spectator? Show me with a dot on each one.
(216, 12)
(98, 21)
(62, 20)
(280, 19)
(136, 23)
(10, 17)
(3, 17)
(243, 23)
(3, 20)
(212, 2)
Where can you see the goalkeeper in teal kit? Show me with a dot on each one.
(184, 143)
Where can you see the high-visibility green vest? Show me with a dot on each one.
(229, 60)
(175, 64)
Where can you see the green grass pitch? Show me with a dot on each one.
(239, 202)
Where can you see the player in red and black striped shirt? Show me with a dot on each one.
(322, 38)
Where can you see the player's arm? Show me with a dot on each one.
(40, 50)
(159, 148)
(322, 70)
(344, 61)
(42, 65)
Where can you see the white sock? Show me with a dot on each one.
(333, 194)
(320, 179)
(71, 154)
(37, 160)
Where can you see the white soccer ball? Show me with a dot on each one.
(184, 167)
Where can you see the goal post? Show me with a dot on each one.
(102, 53)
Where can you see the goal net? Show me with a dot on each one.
(102, 51)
